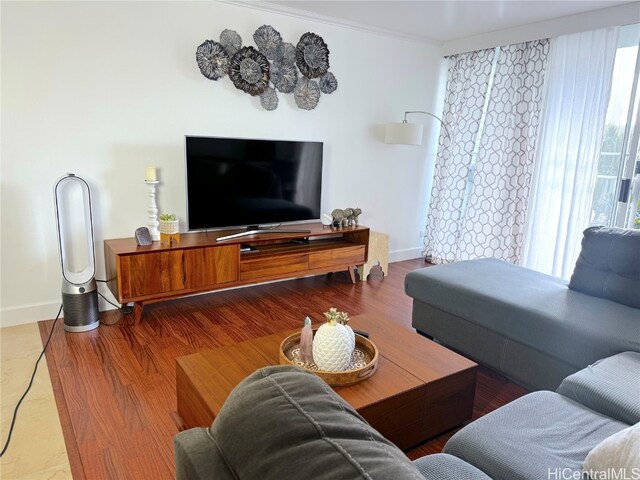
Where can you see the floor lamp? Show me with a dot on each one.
(409, 133)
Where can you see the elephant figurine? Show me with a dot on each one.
(339, 217)
(353, 217)
(348, 214)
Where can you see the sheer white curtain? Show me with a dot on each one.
(578, 83)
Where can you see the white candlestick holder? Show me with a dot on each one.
(152, 210)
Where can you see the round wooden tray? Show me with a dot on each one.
(335, 379)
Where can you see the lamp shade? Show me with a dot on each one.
(403, 133)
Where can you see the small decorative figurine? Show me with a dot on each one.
(306, 342)
(338, 217)
(348, 214)
(346, 217)
(353, 218)
(334, 343)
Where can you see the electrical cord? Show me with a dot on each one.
(33, 376)
(126, 310)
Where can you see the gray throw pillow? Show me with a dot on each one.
(609, 265)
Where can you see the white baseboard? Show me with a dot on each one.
(406, 254)
(29, 313)
(34, 312)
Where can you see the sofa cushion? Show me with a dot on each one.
(609, 265)
(610, 386)
(283, 422)
(532, 436)
(530, 307)
(441, 466)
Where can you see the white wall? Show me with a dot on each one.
(104, 89)
(625, 14)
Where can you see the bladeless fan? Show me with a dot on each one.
(77, 255)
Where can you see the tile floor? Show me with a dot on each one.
(37, 449)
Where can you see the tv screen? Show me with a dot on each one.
(238, 182)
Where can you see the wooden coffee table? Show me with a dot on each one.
(420, 388)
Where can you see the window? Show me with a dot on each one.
(617, 166)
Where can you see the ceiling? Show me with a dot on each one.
(443, 21)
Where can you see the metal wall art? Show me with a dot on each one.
(275, 66)
(249, 71)
(213, 60)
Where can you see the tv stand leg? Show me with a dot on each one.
(137, 312)
(352, 273)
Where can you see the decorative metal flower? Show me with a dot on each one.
(328, 83)
(268, 40)
(249, 71)
(284, 76)
(212, 59)
(307, 94)
(286, 53)
(269, 99)
(312, 55)
(231, 41)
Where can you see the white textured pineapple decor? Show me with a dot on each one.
(334, 342)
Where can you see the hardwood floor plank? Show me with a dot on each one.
(115, 387)
(73, 452)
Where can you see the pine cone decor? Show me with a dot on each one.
(332, 345)
(312, 55)
(342, 318)
(212, 59)
(249, 71)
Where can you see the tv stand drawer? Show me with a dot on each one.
(266, 267)
(341, 256)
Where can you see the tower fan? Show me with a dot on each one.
(77, 255)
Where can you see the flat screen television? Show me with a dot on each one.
(233, 182)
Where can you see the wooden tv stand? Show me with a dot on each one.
(199, 263)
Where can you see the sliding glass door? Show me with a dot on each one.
(615, 200)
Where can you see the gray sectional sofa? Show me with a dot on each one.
(534, 328)
(283, 422)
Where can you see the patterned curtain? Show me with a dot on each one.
(467, 86)
(494, 222)
(483, 172)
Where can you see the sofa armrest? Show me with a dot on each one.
(197, 457)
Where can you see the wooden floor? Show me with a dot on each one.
(115, 386)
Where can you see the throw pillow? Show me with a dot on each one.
(618, 455)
